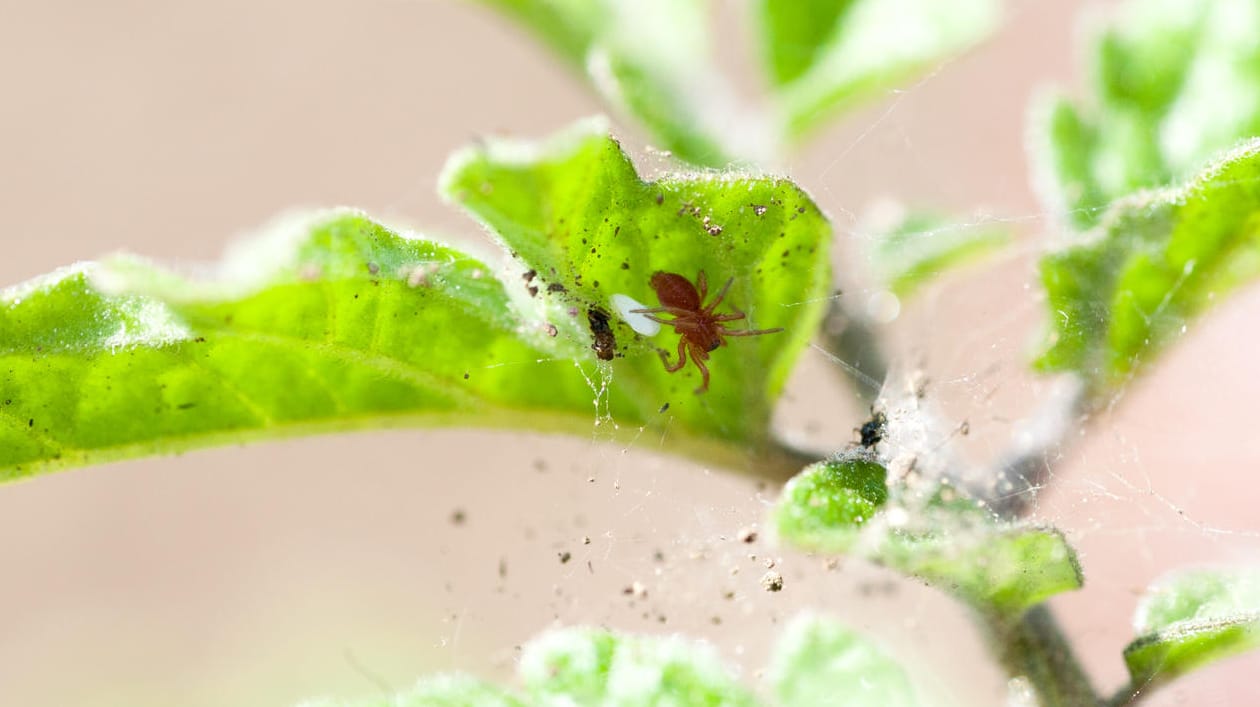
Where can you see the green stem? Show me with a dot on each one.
(1033, 648)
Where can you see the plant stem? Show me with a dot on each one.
(1127, 696)
(1033, 648)
(781, 461)
(1011, 487)
(857, 348)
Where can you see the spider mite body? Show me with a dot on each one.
(700, 329)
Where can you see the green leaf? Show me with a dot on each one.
(917, 247)
(819, 662)
(825, 54)
(1120, 293)
(825, 506)
(1192, 618)
(576, 212)
(652, 59)
(326, 324)
(338, 323)
(591, 666)
(844, 506)
(437, 691)
(1175, 83)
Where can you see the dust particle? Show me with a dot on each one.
(565, 557)
(636, 590)
(759, 209)
(458, 516)
(772, 581)
(747, 535)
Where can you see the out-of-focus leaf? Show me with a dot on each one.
(822, 55)
(844, 506)
(819, 662)
(438, 691)
(653, 60)
(918, 247)
(1159, 258)
(575, 211)
(1175, 82)
(596, 667)
(1192, 618)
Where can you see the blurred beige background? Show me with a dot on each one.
(331, 566)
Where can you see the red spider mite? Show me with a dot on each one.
(701, 330)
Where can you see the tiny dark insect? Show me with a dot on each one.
(700, 329)
(605, 343)
(872, 431)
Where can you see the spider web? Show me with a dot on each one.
(449, 551)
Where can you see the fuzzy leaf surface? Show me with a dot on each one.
(575, 211)
(339, 323)
(1120, 293)
(819, 662)
(845, 507)
(332, 324)
(1175, 83)
(822, 55)
(1193, 618)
